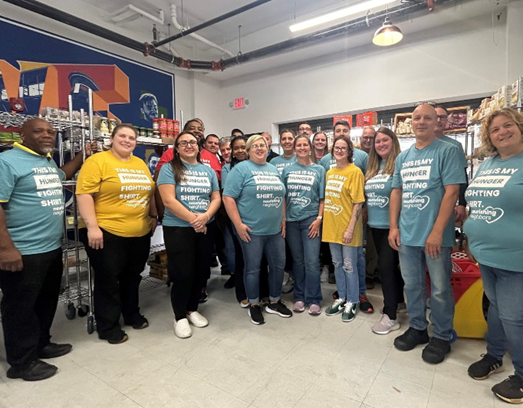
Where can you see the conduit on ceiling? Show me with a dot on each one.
(352, 26)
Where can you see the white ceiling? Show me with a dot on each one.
(269, 24)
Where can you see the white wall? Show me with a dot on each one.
(450, 62)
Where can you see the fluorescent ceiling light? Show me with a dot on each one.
(336, 15)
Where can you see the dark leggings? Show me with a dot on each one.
(188, 255)
(391, 280)
(117, 276)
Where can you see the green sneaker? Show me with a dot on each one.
(336, 307)
(349, 312)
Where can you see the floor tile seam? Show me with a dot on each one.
(304, 394)
(126, 389)
(410, 382)
(376, 376)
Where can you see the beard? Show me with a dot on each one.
(47, 150)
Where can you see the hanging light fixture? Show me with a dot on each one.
(387, 34)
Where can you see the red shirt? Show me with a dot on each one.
(206, 158)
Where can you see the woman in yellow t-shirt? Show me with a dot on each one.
(115, 194)
(342, 227)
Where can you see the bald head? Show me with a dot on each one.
(39, 136)
(424, 122)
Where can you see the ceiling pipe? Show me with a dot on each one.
(131, 11)
(177, 25)
(211, 22)
(358, 24)
(69, 19)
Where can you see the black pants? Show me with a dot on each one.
(117, 276)
(189, 255)
(391, 280)
(30, 297)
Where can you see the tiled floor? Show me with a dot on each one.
(300, 362)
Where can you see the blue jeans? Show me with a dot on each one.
(346, 265)
(362, 271)
(306, 261)
(414, 264)
(273, 246)
(504, 289)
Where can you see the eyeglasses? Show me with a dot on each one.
(340, 148)
(304, 128)
(367, 138)
(185, 143)
(441, 117)
(258, 146)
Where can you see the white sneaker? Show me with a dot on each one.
(324, 276)
(182, 328)
(385, 325)
(197, 320)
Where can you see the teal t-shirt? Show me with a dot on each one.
(194, 193)
(225, 172)
(422, 174)
(32, 199)
(359, 158)
(454, 142)
(377, 193)
(281, 162)
(496, 213)
(259, 194)
(305, 187)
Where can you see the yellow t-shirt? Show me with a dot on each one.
(343, 188)
(121, 190)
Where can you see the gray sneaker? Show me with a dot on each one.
(288, 287)
(385, 325)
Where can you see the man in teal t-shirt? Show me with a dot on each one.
(425, 189)
(31, 220)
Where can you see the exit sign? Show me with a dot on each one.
(239, 103)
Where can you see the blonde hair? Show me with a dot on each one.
(253, 139)
(487, 148)
(373, 166)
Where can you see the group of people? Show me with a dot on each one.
(321, 204)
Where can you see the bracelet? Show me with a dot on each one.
(351, 231)
(319, 217)
(153, 216)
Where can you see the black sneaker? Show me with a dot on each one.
(139, 322)
(365, 305)
(36, 371)
(278, 308)
(114, 337)
(230, 283)
(482, 369)
(53, 350)
(256, 315)
(435, 351)
(369, 282)
(510, 390)
(410, 339)
(204, 296)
